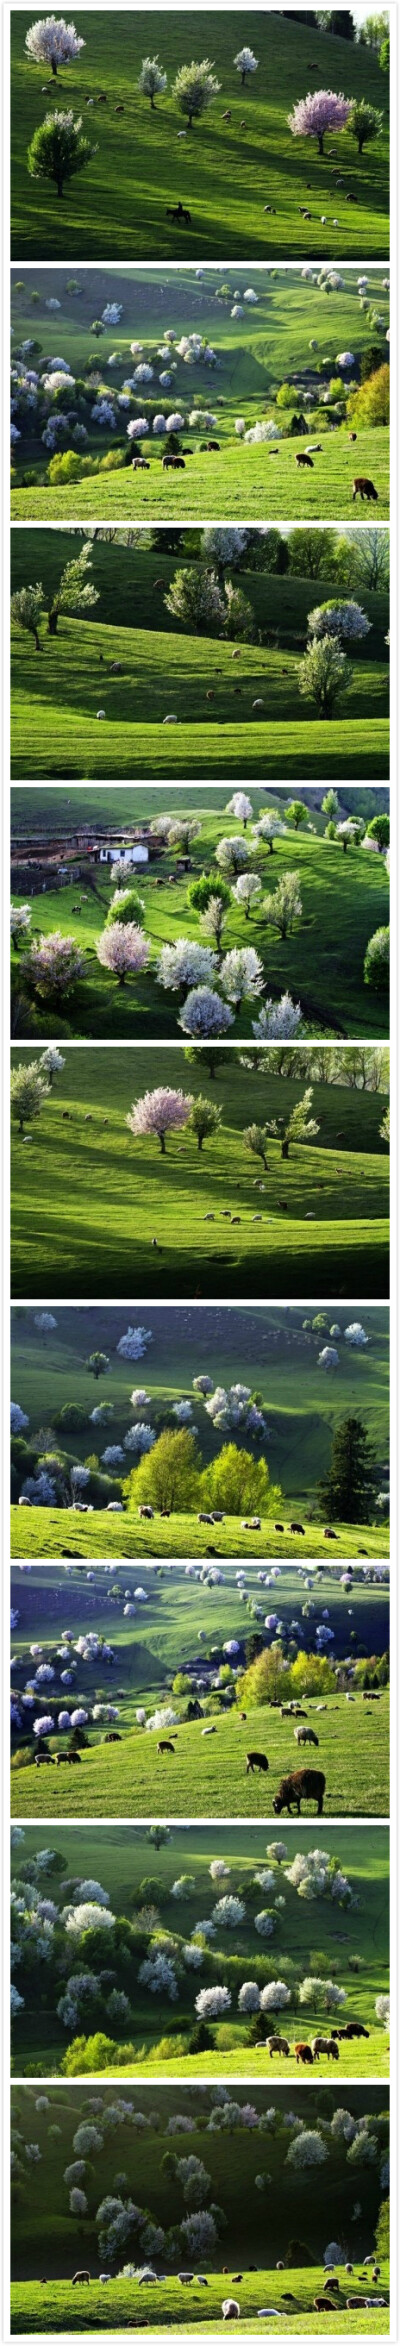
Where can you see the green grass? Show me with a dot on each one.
(119, 1858)
(344, 899)
(60, 1182)
(132, 1780)
(56, 694)
(225, 174)
(254, 355)
(39, 812)
(43, 1531)
(120, 2307)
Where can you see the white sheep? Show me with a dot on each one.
(171, 720)
(230, 2309)
(100, 712)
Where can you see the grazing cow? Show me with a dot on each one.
(174, 463)
(179, 212)
(166, 1747)
(278, 2044)
(327, 2045)
(354, 2028)
(364, 488)
(44, 1758)
(80, 2276)
(305, 1735)
(62, 1759)
(305, 1784)
(302, 458)
(303, 2053)
(254, 1760)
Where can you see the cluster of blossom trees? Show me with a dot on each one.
(58, 150)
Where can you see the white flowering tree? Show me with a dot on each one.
(204, 1016)
(241, 974)
(194, 88)
(134, 1343)
(279, 1021)
(213, 2003)
(185, 964)
(246, 64)
(158, 1112)
(307, 2149)
(344, 620)
(53, 42)
(152, 81)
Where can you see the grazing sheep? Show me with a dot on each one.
(252, 1523)
(166, 1747)
(230, 2309)
(209, 1730)
(80, 2276)
(278, 2044)
(227, 117)
(304, 2053)
(299, 1527)
(364, 488)
(305, 1784)
(258, 704)
(327, 2045)
(254, 1760)
(147, 1512)
(327, 2304)
(302, 458)
(306, 1735)
(331, 1535)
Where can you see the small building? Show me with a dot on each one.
(126, 855)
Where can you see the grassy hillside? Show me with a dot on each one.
(226, 174)
(115, 2305)
(120, 1859)
(268, 345)
(60, 1182)
(56, 696)
(43, 1531)
(344, 899)
(42, 810)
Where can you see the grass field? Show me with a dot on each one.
(157, 2040)
(61, 1181)
(117, 2307)
(344, 899)
(254, 356)
(128, 1779)
(56, 696)
(226, 174)
(267, 1345)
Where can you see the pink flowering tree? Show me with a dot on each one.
(321, 110)
(53, 965)
(123, 950)
(159, 1112)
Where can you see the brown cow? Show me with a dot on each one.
(364, 488)
(305, 1784)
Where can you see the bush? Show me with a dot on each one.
(377, 961)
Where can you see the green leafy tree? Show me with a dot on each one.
(311, 553)
(285, 906)
(213, 1058)
(26, 609)
(204, 1119)
(347, 1494)
(194, 88)
(379, 829)
(377, 961)
(75, 592)
(255, 1138)
(267, 1679)
(324, 675)
(58, 149)
(299, 1125)
(125, 906)
(384, 1127)
(168, 1475)
(297, 813)
(382, 2234)
(330, 805)
(370, 406)
(29, 1090)
(365, 122)
(200, 891)
(239, 1483)
(97, 1364)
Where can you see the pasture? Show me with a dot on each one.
(344, 898)
(287, 2229)
(197, 1221)
(156, 2040)
(164, 673)
(163, 1639)
(113, 2308)
(254, 355)
(226, 173)
(269, 1349)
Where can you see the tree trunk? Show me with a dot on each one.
(200, 1138)
(52, 622)
(152, 105)
(60, 188)
(38, 646)
(53, 65)
(320, 137)
(161, 1137)
(285, 1145)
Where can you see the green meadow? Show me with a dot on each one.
(352, 1943)
(130, 1778)
(226, 173)
(265, 1347)
(344, 899)
(108, 1211)
(164, 672)
(276, 2244)
(255, 354)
